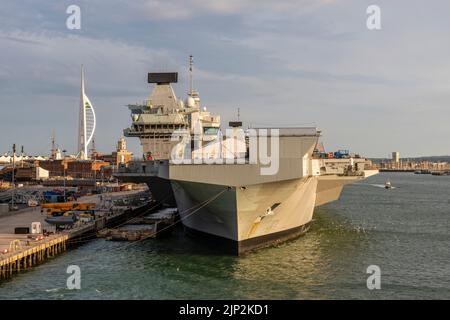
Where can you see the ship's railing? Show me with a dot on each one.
(344, 166)
(140, 167)
(153, 131)
(213, 119)
(143, 104)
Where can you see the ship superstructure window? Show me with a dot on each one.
(210, 130)
(270, 210)
(275, 205)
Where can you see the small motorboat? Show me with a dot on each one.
(388, 185)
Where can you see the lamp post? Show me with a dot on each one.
(95, 176)
(64, 170)
(21, 157)
(12, 177)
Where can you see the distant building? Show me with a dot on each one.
(121, 155)
(74, 168)
(25, 172)
(54, 167)
(84, 169)
(396, 156)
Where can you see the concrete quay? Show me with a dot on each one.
(20, 252)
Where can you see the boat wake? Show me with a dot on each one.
(54, 290)
(373, 185)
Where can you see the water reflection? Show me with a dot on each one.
(404, 230)
(296, 269)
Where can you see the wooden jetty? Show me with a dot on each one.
(20, 252)
(24, 253)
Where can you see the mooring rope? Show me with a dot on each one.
(202, 205)
(196, 208)
(88, 238)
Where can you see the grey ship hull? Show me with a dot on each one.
(238, 219)
(233, 219)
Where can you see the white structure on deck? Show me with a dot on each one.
(6, 158)
(86, 122)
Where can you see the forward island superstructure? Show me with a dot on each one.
(154, 122)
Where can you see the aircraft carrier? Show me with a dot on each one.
(224, 189)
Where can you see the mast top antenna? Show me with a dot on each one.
(191, 64)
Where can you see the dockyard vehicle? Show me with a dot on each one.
(62, 214)
(59, 209)
(33, 203)
(53, 196)
(69, 206)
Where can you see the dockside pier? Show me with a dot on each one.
(19, 252)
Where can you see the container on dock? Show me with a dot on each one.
(21, 230)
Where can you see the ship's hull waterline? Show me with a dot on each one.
(239, 218)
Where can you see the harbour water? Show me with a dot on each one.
(405, 231)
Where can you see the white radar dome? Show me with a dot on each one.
(190, 102)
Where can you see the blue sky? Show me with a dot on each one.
(281, 62)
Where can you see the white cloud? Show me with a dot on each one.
(55, 59)
(184, 9)
(40, 85)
